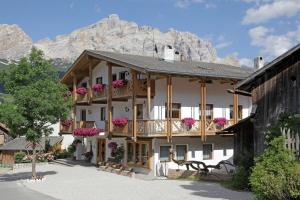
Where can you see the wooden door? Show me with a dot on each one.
(101, 150)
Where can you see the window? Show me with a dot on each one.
(181, 152)
(209, 111)
(102, 114)
(164, 153)
(207, 151)
(84, 84)
(176, 111)
(130, 151)
(224, 152)
(122, 75)
(240, 112)
(139, 111)
(99, 80)
(114, 77)
(83, 115)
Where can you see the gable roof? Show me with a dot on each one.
(244, 85)
(154, 65)
(20, 144)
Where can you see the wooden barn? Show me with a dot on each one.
(275, 89)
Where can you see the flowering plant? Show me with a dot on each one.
(188, 121)
(113, 146)
(119, 83)
(67, 123)
(98, 87)
(221, 121)
(81, 90)
(120, 121)
(86, 131)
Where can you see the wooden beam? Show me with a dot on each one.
(134, 108)
(168, 108)
(203, 109)
(148, 95)
(235, 108)
(90, 80)
(171, 105)
(109, 100)
(74, 99)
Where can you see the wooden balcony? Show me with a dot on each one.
(126, 91)
(65, 129)
(83, 98)
(158, 128)
(100, 95)
(85, 124)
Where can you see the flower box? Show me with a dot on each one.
(98, 87)
(67, 123)
(87, 132)
(119, 83)
(220, 122)
(188, 121)
(120, 122)
(81, 90)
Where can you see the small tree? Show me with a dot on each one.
(38, 99)
(274, 175)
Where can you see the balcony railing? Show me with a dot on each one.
(126, 91)
(66, 129)
(154, 128)
(83, 98)
(85, 124)
(100, 95)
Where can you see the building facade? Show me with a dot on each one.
(150, 106)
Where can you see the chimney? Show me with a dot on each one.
(258, 62)
(169, 54)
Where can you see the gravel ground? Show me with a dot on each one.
(81, 182)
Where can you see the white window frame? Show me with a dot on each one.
(212, 152)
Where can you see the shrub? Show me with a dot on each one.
(274, 175)
(63, 154)
(19, 156)
(240, 179)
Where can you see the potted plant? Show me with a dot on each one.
(220, 122)
(66, 123)
(98, 87)
(81, 90)
(120, 122)
(188, 122)
(86, 132)
(119, 83)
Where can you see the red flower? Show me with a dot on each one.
(81, 90)
(119, 83)
(67, 123)
(120, 121)
(221, 121)
(188, 121)
(85, 132)
(98, 87)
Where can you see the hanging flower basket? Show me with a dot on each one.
(81, 90)
(220, 122)
(66, 123)
(188, 121)
(120, 122)
(87, 132)
(98, 87)
(119, 83)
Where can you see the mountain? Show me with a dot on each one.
(109, 34)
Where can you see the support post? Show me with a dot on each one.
(134, 108)
(74, 99)
(235, 108)
(168, 109)
(203, 108)
(171, 106)
(90, 80)
(109, 100)
(148, 96)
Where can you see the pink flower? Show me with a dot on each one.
(221, 121)
(85, 132)
(119, 83)
(81, 90)
(68, 94)
(98, 87)
(67, 123)
(120, 121)
(188, 121)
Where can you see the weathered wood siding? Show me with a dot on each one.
(277, 91)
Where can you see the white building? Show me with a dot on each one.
(158, 96)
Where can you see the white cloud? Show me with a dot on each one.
(222, 42)
(267, 10)
(188, 3)
(273, 45)
(246, 62)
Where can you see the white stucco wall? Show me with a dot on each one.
(67, 139)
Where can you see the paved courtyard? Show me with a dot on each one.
(82, 182)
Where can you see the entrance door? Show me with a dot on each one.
(83, 115)
(101, 150)
(139, 153)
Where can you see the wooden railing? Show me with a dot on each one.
(83, 98)
(159, 128)
(97, 95)
(85, 124)
(66, 129)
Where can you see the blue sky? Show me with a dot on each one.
(244, 28)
